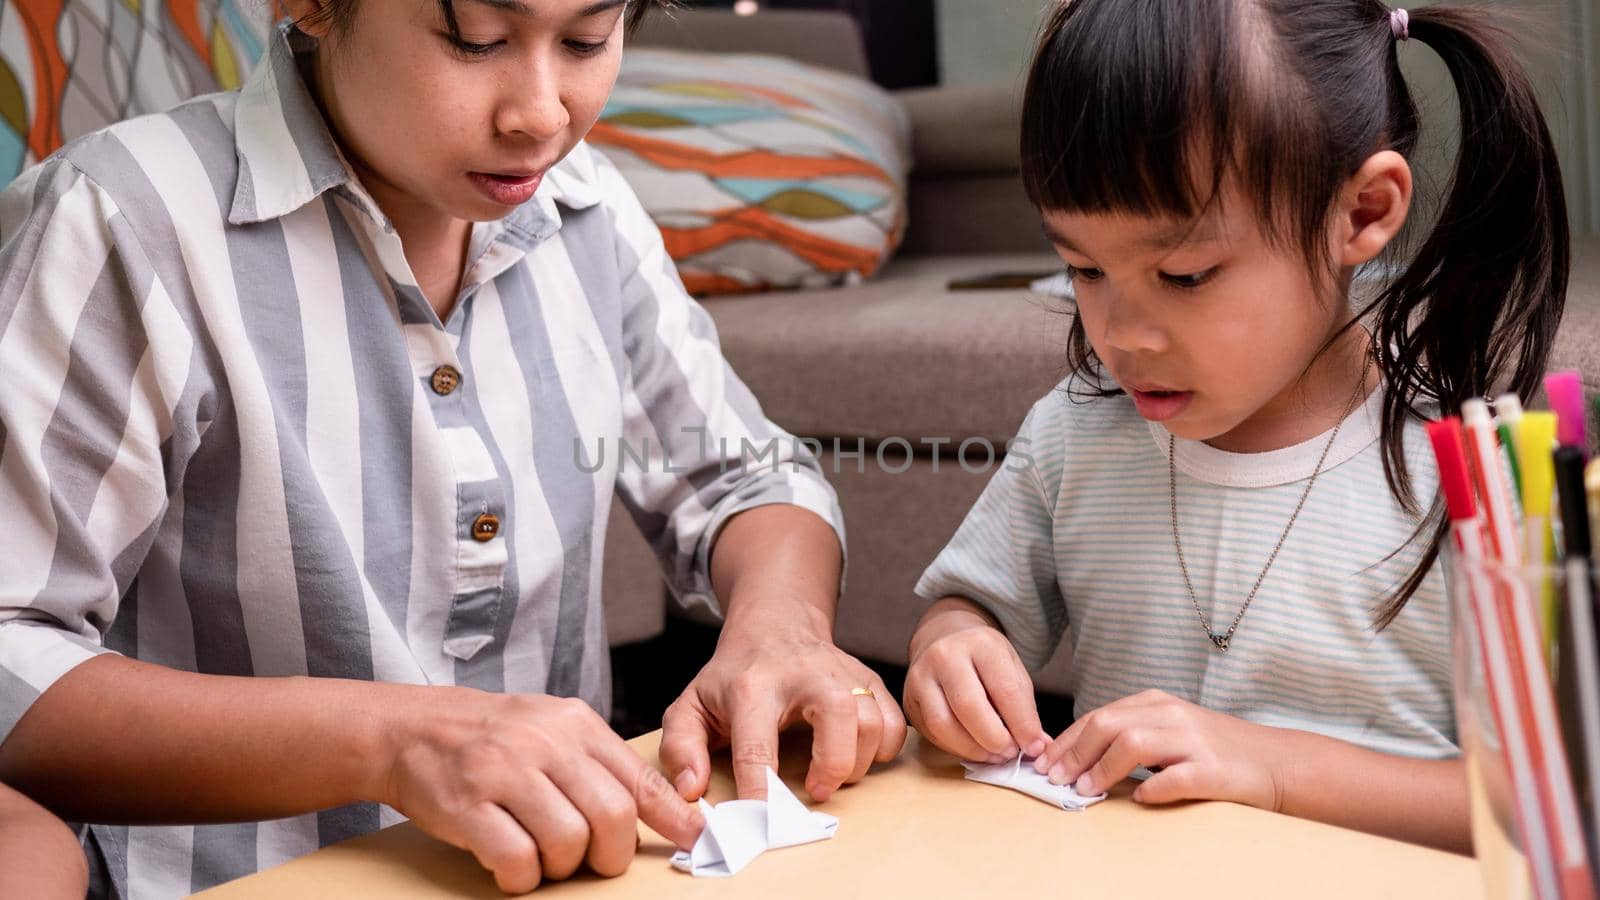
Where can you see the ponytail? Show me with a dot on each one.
(1476, 311)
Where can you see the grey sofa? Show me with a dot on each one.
(902, 358)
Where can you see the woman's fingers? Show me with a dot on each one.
(612, 816)
(501, 845)
(558, 829)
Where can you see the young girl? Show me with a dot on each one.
(1230, 501)
(298, 476)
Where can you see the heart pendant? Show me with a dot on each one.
(1221, 642)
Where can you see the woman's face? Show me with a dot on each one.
(464, 130)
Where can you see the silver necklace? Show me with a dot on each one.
(1221, 641)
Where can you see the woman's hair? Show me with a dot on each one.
(1146, 107)
(339, 13)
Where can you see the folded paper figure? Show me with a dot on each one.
(738, 831)
(1020, 776)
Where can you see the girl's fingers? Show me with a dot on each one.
(969, 701)
(1096, 732)
(1137, 746)
(1172, 784)
(1057, 750)
(1010, 692)
(938, 724)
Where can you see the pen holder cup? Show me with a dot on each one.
(1492, 605)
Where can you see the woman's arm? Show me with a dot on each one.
(39, 856)
(534, 786)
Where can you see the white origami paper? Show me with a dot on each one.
(738, 831)
(1020, 776)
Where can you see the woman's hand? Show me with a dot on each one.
(759, 683)
(1199, 754)
(776, 665)
(533, 786)
(967, 691)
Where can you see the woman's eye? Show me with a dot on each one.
(1188, 282)
(585, 48)
(1077, 273)
(471, 49)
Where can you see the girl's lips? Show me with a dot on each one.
(507, 190)
(1161, 406)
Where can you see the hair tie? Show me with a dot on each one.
(1400, 24)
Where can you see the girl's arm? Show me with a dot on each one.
(1423, 801)
(1202, 754)
(39, 856)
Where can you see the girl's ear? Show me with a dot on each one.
(1372, 208)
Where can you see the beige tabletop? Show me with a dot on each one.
(915, 827)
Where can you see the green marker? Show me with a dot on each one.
(1507, 413)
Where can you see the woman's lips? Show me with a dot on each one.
(507, 190)
(1161, 406)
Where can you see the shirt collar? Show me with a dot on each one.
(288, 157)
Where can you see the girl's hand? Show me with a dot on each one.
(967, 691)
(533, 786)
(1198, 754)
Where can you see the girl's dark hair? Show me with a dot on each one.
(1127, 100)
(339, 13)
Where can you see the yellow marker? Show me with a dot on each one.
(1536, 441)
(1591, 487)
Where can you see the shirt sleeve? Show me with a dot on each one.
(91, 354)
(710, 452)
(1002, 557)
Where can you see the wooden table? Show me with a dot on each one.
(915, 827)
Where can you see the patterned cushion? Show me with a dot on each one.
(761, 172)
(69, 67)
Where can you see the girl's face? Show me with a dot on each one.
(1207, 325)
(465, 130)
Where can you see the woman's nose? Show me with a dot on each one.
(533, 108)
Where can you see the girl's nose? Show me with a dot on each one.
(1130, 329)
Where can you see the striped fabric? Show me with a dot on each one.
(235, 438)
(762, 172)
(1076, 530)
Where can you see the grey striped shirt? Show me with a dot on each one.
(235, 438)
(1073, 539)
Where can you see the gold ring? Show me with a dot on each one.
(862, 692)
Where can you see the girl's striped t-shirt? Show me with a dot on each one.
(1072, 540)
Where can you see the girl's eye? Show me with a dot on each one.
(1188, 282)
(1084, 274)
(585, 48)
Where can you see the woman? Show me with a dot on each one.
(308, 382)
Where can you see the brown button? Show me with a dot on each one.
(485, 527)
(445, 380)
